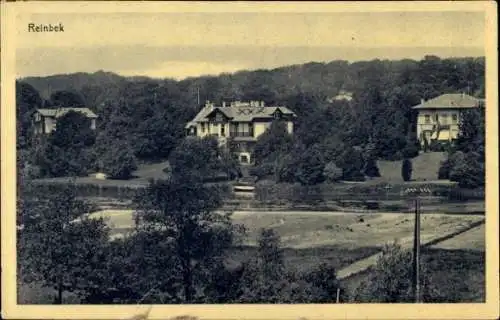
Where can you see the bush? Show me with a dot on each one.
(439, 146)
(444, 169)
(390, 280)
(310, 167)
(406, 170)
(371, 169)
(332, 173)
(119, 161)
(262, 171)
(467, 170)
(412, 147)
(352, 164)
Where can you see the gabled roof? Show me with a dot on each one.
(450, 101)
(241, 113)
(58, 112)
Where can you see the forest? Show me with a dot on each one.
(142, 119)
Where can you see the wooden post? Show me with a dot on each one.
(416, 253)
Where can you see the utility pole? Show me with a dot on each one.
(416, 252)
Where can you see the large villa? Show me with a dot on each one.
(438, 118)
(239, 122)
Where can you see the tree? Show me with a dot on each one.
(118, 161)
(352, 163)
(310, 167)
(471, 137)
(406, 170)
(264, 277)
(200, 158)
(371, 168)
(182, 211)
(66, 99)
(391, 279)
(67, 151)
(59, 245)
(412, 147)
(468, 170)
(272, 144)
(332, 173)
(324, 282)
(27, 100)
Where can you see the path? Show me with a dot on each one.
(364, 264)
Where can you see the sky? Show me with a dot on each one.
(180, 45)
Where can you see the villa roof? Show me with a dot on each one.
(240, 113)
(450, 101)
(58, 112)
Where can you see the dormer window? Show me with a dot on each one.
(277, 114)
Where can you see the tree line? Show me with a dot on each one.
(142, 119)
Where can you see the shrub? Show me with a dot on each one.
(262, 171)
(310, 167)
(467, 170)
(371, 169)
(119, 161)
(444, 169)
(406, 170)
(352, 164)
(439, 146)
(332, 173)
(390, 279)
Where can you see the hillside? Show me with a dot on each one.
(73, 82)
(319, 80)
(425, 167)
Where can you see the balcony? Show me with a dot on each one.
(241, 134)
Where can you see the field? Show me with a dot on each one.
(315, 229)
(425, 167)
(140, 177)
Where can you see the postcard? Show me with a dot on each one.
(249, 160)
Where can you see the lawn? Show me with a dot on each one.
(301, 230)
(425, 167)
(473, 239)
(140, 177)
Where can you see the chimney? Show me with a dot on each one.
(422, 101)
(223, 104)
(262, 103)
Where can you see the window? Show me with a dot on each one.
(222, 130)
(203, 127)
(244, 159)
(277, 114)
(454, 118)
(444, 118)
(427, 118)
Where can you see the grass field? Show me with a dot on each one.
(301, 230)
(425, 167)
(141, 176)
(473, 239)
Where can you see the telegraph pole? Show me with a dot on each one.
(416, 252)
